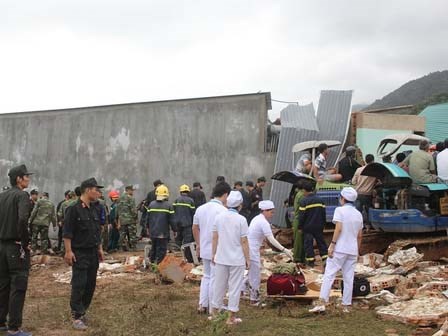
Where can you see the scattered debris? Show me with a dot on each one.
(428, 311)
(174, 269)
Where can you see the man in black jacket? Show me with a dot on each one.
(160, 219)
(312, 220)
(183, 213)
(14, 250)
(83, 249)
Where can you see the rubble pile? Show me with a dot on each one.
(108, 269)
(410, 290)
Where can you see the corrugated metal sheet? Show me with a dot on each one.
(436, 122)
(298, 124)
(333, 118)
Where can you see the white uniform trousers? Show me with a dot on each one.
(254, 278)
(346, 263)
(228, 278)
(207, 284)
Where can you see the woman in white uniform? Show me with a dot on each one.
(259, 230)
(343, 251)
(230, 256)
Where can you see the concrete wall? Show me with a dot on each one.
(178, 141)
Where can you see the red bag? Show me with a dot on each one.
(286, 284)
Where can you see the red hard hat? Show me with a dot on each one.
(114, 194)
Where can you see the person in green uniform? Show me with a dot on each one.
(127, 219)
(298, 250)
(42, 216)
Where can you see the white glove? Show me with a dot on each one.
(289, 254)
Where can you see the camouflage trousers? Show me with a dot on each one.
(42, 231)
(105, 236)
(128, 236)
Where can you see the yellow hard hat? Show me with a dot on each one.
(184, 188)
(162, 192)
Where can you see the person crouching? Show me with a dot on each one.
(230, 254)
(343, 251)
(160, 219)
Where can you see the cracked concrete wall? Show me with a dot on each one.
(178, 141)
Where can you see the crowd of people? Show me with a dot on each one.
(228, 230)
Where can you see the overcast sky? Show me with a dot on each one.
(61, 53)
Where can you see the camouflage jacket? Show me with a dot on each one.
(43, 213)
(127, 210)
(63, 208)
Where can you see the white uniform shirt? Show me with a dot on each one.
(231, 227)
(352, 223)
(204, 217)
(259, 229)
(442, 164)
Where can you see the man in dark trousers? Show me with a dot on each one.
(311, 221)
(197, 195)
(160, 219)
(83, 249)
(183, 213)
(14, 250)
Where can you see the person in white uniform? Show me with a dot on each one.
(343, 251)
(202, 231)
(230, 256)
(259, 230)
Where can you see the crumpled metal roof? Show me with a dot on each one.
(333, 118)
(299, 124)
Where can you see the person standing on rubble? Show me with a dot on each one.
(83, 249)
(14, 251)
(127, 219)
(114, 234)
(312, 220)
(60, 219)
(259, 230)
(343, 251)
(203, 221)
(298, 249)
(183, 212)
(230, 254)
(160, 220)
(42, 216)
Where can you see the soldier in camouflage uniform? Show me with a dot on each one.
(61, 213)
(43, 214)
(127, 219)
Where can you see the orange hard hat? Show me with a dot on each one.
(114, 194)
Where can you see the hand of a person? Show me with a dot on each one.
(331, 251)
(70, 258)
(198, 251)
(289, 254)
(213, 259)
(60, 224)
(247, 264)
(101, 255)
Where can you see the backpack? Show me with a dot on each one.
(287, 284)
(361, 287)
